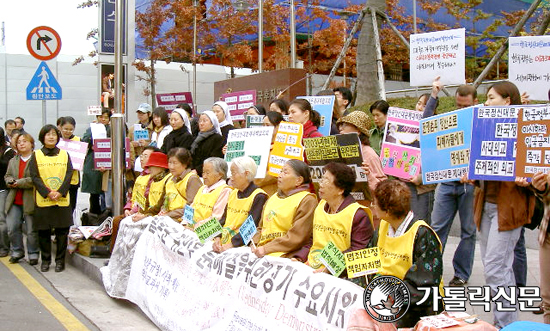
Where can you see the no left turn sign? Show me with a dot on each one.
(43, 43)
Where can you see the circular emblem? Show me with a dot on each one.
(386, 299)
(53, 182)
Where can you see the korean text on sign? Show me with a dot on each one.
(533, 145)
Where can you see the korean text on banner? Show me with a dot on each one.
(529, 65)
(287, 146)
(446, 139)
(324, 105)
(254, 120)
(248, 229)
(493, 151)
(533, 153)
(77, 151)
(332, 258)
(363, 262)
(239, 102)
(253, 142)
(170, 100)
(102, 153)
(208, 230)
(400, 154)
(440, 53)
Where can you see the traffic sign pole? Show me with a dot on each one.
(43, 112)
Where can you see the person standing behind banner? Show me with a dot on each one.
(279, 105)
(67, 125)
(221, 109)
(209, 142)
(300, 111)
(269, 182)
(245, 200)
(161, 127)
(379, 110)
(51, 172)
(287, 219)
(211, 199)
(180, 135)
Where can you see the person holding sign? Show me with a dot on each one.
(300, 111)
(287, 219)
(269, 183)
(67, 125)
(211, 199)
(145, 122)
(221, 109)
(338, 218)
(180, 135)
(279, 105)
(409, 248)
(51, 172)
(379, 110)
(209, 141)
(245, 200)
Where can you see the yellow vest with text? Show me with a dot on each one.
(237, 213)
(52, 171)
(278, 217)
(138, 192)
(156, 190)
(75, 179)
(204, 202)
(396, 253)
(176, 197)
(332, 227)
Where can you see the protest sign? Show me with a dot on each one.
(248, 230)
(493, 151)
(363, 262)
(342, 148)
(141, 134)
(252, 142)
(102, 153)
(188, 213)
(446, 139)
(234, 290)
(77, 151)
(170, 100)
(208, 230)
(332, 258)
(239, 102)
(254, 120)
(440, 53)
(529, 65)
(287, 145)
(533, 146)
(324, 105)
(98, 131)
(400, 153)
(94, 110)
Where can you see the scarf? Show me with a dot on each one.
(200, 138)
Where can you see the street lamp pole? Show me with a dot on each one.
(292, 35)
(260, 35)
(195, 57)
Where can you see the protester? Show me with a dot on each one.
(379, 110)
(287, 220)
(255, 110)
(145, 122)
(343, 99)
(179, 135)
(269, 182)
(67, 126)
(409, 248)
(161, 127)
(211, 199)
(280, 106)
(209, 142)
(246, 200)
(338, 218)
(20, 202)
(13, 138)
(193, 120)
(6, 154)
(20, 123)
(221, 110)
(53, 210)
(300, 111)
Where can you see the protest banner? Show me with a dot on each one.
(239, 102)
(234, 290)
(102, 153)
(170, 100)
(363, 262)
(77, 151)
(342, 148)
(208, 230)
(324, 105)
(252, 142)
(533, 146)
(493, 147)
(248, 229)
(529, 65)
(94, 110)
(440, 53)
(287, 145)
(400, 153)
(254, 120)
(446, 139)
(332, 258)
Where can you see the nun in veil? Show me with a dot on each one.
(180, 136)
(221, 109)
(209, 141)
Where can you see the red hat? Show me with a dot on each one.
(157, 159)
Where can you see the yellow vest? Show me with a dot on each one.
(75, 179)
(237, 213)
(332, 227)
(396, 253)
(52, 171)
(204, 202)
(278, 217)
(138, 192)
(175, 196)
(156, 190)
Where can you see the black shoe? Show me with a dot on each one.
(14, 259)
(59, 266)
(457, 281)
(45, 266)
(4, 254)
(33, 261)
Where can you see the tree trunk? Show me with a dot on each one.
(367, 73)
(153, 85)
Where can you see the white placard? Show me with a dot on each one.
(440, 53)
(98, 131)
(529, 65)
(94, 110)
(254, 142)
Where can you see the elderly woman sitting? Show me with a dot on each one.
(338, 217)
(287, 219)
(211, 199)
(244, 201)
(409, 248)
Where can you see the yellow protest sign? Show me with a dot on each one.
(287, 146)
(363, 262)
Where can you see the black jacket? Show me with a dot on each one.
(210, 147)
(177, 138)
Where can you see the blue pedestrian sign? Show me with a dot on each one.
(43, 85)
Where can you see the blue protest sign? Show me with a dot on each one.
(43, 85)
(248, 229)
(445, 144)
(141, 134)
(493, 152)
(188, 213)
(324, 105)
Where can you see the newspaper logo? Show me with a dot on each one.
(387, 299)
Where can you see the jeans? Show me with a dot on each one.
(15, 220)
(497, 255)
(450, 198)
(520, 260)
(421, 205)
(4, 237)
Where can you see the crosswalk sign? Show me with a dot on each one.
(43, 85)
